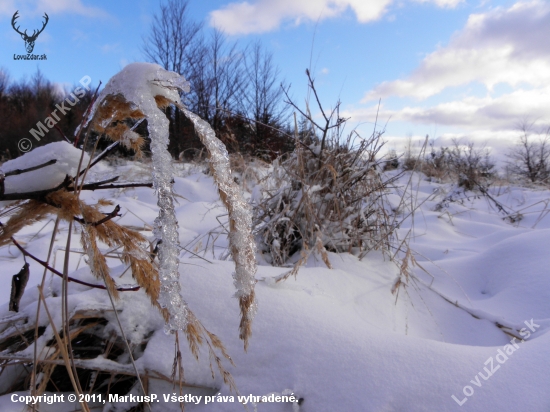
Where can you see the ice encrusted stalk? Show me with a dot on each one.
(139, 84)
(241, 241)
(145, 87)
(166, 224)
(242, 246)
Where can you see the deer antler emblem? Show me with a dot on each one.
(29, 40)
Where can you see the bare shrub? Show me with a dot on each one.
(411, 159)
(530, 159)
(464, 164)
(391, 161)
(436, 164)
(327, 195)
(470, 167)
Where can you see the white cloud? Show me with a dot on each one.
(39, 7)
(442, 3)
(496, 114)
(266, 15)
(501, 46)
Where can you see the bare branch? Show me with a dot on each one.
(70, 279)
(30, 169)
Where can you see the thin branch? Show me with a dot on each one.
(70, 279)
(289, 101)
(95, 186)
(30, 169)
(64, 353)
(108, 216)
(38, 194)
(62, 134)
(312, 86)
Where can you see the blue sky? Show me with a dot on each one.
(471, 69)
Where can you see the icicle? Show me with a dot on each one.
(140, 84)
(242, 246)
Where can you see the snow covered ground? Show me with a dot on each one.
(338, 338)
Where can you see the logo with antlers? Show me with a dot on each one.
(29, 40)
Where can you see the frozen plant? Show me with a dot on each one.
(141, 91)
(135, 92)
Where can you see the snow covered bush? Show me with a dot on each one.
(339, 207)
(530, 159)
(467, 165)
(327, 195)
(462, 163)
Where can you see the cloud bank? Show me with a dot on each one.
(266, 15)
(502, 46)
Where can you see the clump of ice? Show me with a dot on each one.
(139, 83)
(67, 156)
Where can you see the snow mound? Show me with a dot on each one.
(67, 156)
(339, 339)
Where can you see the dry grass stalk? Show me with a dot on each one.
(241, 242)
(97, 261)
(196, 335)
(134, 254)
(304, 256)
(27, 213)
(63, 349)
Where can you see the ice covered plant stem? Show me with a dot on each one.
(140, 91)
(136, 93)
(242, 246)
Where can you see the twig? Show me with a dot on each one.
(30, 169)
(35, 348)
(127, 343)
(70, 279)
(63, 350)
(67, 349)
(62, 134)
(108, 217)
(97, 186)
(37, 194)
